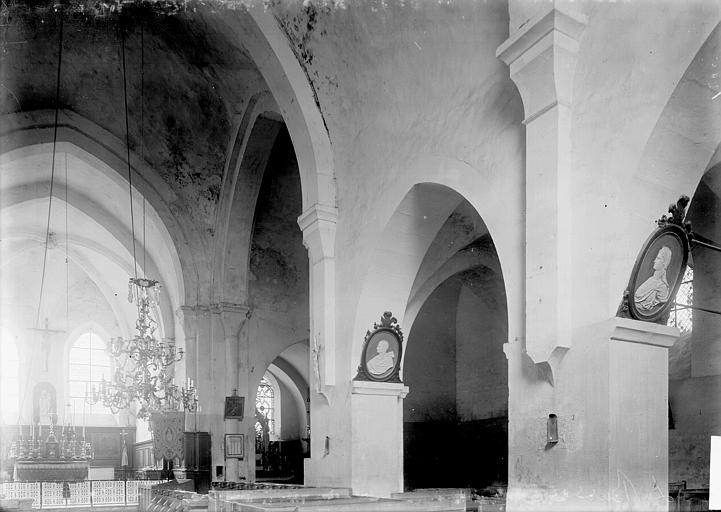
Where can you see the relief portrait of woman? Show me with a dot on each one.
(655, 290)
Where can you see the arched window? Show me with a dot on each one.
(9, 378)
(265, 405)
(89, 363)
(681, 313)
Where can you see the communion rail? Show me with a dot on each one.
(73, 494)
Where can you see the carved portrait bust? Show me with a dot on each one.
(382, 361)
(382, 351)
(655, 289)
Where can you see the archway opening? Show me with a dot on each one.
(278, 292)
(695, 359)
(455, 418)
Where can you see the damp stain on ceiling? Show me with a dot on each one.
(185, 81)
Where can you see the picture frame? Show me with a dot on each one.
(657, 274)
(382, 351)
(234, 407)
(234, 446)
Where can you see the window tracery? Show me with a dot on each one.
(681, 314)
(89, 363)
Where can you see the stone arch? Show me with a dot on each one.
(458, 263)
(680, 149)
(268, 46)
(440, 184)
(252, 142)
(77, 254)
(23, 133)
(107, 254)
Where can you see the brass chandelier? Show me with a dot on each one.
(144, 365)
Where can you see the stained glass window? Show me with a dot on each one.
(265, 404)
(681, 314)
(89, 364)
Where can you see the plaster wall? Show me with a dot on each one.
(697, 416)
(411, 93)
(430, 63)
(84, 307)
(291, 412)
(458, 385)
(481, 366)
(634, 109)
(696, 365)
(430, 359)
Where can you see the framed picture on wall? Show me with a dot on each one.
(657, 274)
(234, 446)
(234, 406)
(382, 351)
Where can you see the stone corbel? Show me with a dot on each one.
(233, 316)
(542, 59)
(318, 224)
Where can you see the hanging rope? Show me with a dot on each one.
(127, 145)
(50, 203)
(52, 168)
(142, 131)
(67, 254)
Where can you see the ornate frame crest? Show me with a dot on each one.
(382, 351)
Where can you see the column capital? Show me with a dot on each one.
(318, 224)
(542, 59)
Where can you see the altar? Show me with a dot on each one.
(51, 470)
(65, 457)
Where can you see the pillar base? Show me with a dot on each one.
(611, 402)
(377, 433)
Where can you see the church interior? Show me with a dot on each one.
(397, 249)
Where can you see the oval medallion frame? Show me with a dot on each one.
(382, 352)
(652, 287)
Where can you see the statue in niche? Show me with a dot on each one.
(655, 289)
(382, 361)
(44, 405)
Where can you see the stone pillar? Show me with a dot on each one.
(377, 433)
(200, 329)
(638, 414)
(612, 413)
(542, 60)
(235, 356)
(188, 321)
(319, 225)
(213, 352)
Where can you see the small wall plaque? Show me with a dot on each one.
(234, 446)
(382, 352)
